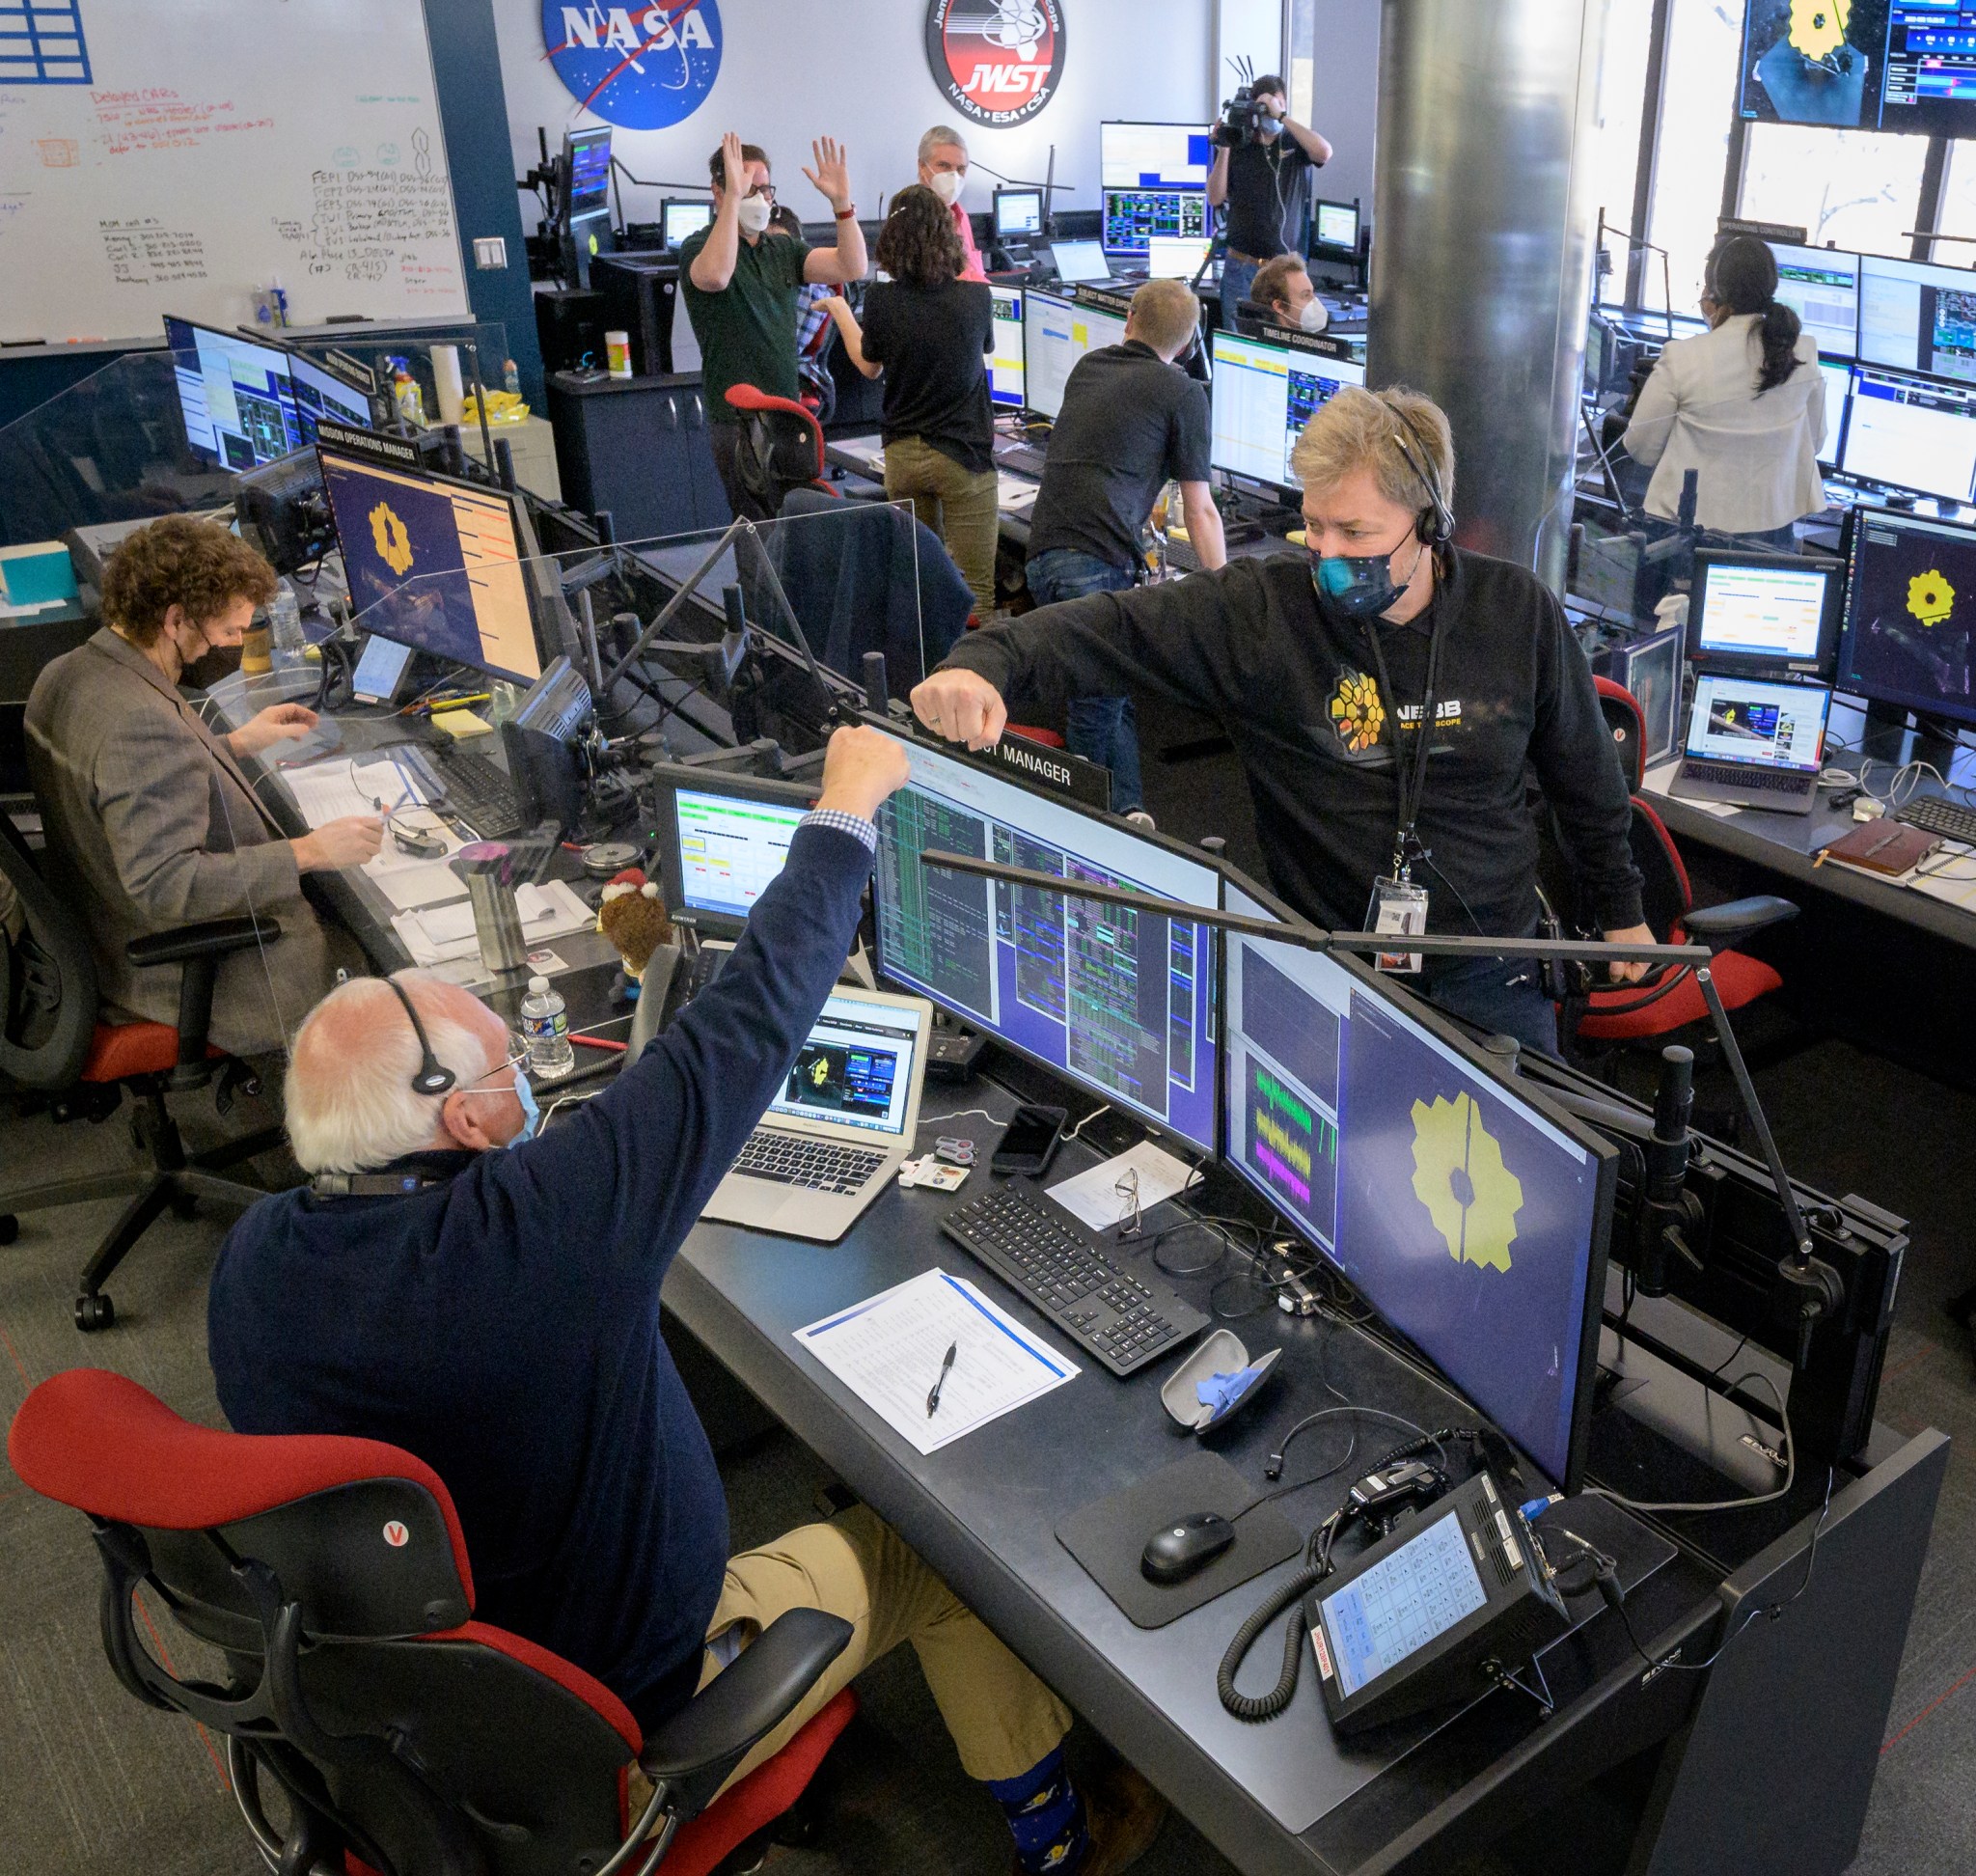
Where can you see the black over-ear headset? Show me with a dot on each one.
(431, 1078)
(1437, 523)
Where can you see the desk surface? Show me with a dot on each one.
(984, 1511)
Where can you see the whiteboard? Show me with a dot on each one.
(174, 157)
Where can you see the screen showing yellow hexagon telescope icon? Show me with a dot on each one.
(1930, 597)
(1459, 1175)
(1818, 27)
(392, 539)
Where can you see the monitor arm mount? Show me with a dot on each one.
(1813, 1286)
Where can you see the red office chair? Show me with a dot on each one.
(407, 1738)
(781, 447)
(1628, 724)
(52, 1039)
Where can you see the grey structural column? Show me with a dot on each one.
(1482, 248)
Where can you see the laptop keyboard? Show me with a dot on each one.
(1024, 458)
(1731, 775)
(796, 1160)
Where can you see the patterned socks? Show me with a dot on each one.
(1046, 1816)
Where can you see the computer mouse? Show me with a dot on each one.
(1177, 1550)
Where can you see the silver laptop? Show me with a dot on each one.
(1756, 743)
(845, 1117)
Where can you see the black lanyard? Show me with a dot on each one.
(1411, 786)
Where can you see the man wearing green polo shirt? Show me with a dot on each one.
(740, 277)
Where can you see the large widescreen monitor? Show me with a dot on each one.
(1055, 334)
(1912, 433)
(1917, 317)
(1132, 217)
(234, 395)
(1822, 287)
(1005, 348)
(1472, 1220)
(1263, 396)
(1910, 633)
(434, 565)
(1154, 155)
(1861, 65)
(1122, 1003)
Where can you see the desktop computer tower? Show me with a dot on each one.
(640, 293)
(570, 328)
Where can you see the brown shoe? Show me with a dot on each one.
(1125, 1815)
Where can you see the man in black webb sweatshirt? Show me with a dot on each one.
(1319, 668)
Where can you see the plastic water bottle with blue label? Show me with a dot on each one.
(286, 648)
(545, 1028)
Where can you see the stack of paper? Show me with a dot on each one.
(433, 934)
(888, 1351)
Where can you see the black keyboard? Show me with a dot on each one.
(796, 1160)
(1935, 815)
(1733, 775)
(1181, 554)
(1072, 1276)
(1024, 458)
(466, 787)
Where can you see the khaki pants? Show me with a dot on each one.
(961, 508)
(1002, 1717)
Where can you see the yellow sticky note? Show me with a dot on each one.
(461, 723)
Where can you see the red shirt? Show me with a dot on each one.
(971, 268)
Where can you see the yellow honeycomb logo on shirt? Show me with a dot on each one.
(1460, 1176)
(392, 540)
(1818, 27)
(1930, 597)
(1357, 713)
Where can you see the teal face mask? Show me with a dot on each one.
(530, 1114)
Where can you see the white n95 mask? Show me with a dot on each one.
(946, 185)
(755, 214)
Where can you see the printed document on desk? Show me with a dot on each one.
(888, 1351)
(336, 788)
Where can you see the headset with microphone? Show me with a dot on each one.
(1437, 522)
(431, 1079)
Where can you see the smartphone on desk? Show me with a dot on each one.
(1031, 1141)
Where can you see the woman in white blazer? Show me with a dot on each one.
(1743, 404)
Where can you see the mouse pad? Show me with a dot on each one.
(1109, 1537)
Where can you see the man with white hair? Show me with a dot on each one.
(943, 169)
(489, 1301)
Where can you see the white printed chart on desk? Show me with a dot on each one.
(175, 158)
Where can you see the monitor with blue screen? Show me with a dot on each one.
(1018, 214)
(1121, 1003)
(1469, 1218)
(1005, 348)
(677, 219)
(1154, 155)
(1263, 396)
(234, 395)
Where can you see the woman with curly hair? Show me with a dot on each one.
(927, 332)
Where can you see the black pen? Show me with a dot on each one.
(954, 1348)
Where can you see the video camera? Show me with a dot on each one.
(1242, 115)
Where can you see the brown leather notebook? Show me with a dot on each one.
(1890, 848)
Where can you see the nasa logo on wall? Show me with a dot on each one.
(999, 62)
(641, 67)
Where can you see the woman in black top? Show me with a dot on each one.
(929, 332)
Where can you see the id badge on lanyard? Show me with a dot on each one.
(1398, 907)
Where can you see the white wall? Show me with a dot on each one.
(856, 69)
(1345, 94)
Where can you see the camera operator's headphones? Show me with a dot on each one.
(1435, 524)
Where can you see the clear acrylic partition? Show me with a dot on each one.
(840, 582)
(482, 343)
(111, 448)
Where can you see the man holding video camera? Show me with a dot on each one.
(1260, 162)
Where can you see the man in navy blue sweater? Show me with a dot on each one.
(500, 1320)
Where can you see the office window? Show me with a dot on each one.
(1615, 152)
(1957, 207)
(1853, 189)
(1703, 45)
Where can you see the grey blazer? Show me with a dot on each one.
(153, 824)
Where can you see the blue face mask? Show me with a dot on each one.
(530, 1114)
(1356, 585)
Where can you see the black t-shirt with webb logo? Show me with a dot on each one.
(1299, 693)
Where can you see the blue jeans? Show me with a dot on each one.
(1102, 730)
(1502, 995)
(1237, 278)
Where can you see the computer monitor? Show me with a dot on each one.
(587, 170)
(1472, 1217)
(233, 394)
(1838, 412)
(1134, 216)
(1765, 612)
(1121, 1003)
(1917, 317)
(1909, 634)
(316, 391)
(1018, 214)
(1263, 396)
(1822, 287)
(1005, 348)
(1055, 334)
(677, 219)
(433, 564)
(1154, 155)
(1077, 260)
(1879, 65)
(1170, 256)
(1914, 433)
(722, 840)
(1334, 231)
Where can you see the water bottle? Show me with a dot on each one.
(545, 1028)
(286, 645)
(510, 378)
